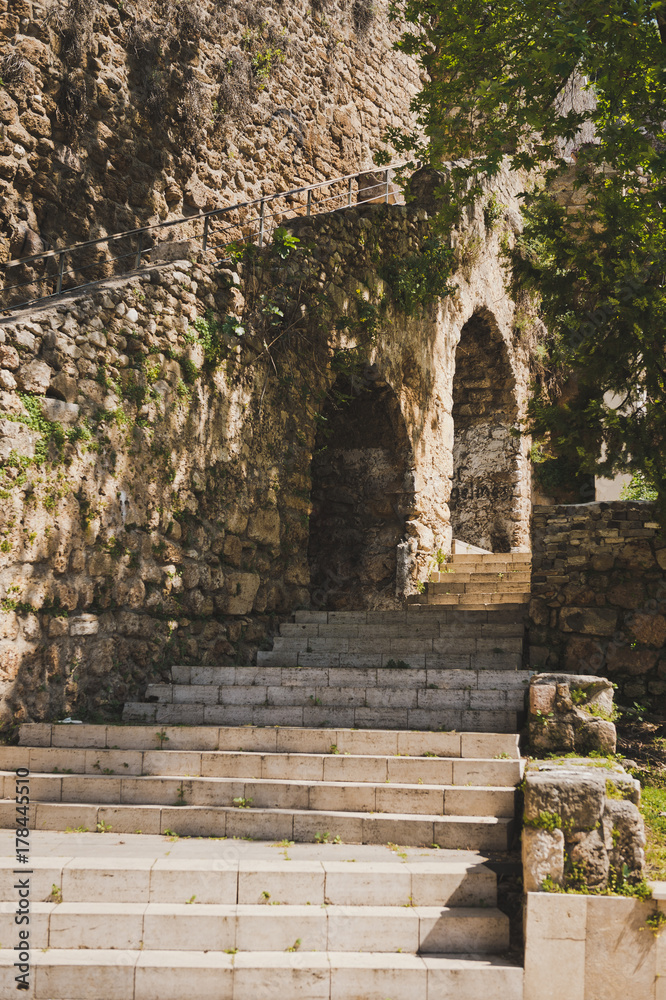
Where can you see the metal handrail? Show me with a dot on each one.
(263, 219)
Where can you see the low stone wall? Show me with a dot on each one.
(571, 712)
(594, 947)
(582, 826)
(599, 595)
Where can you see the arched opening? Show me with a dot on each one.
(362, 493)
(485, 453)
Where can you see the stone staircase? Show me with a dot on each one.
(394, 732)
(477, 580)
(424, 668)
(136, 928)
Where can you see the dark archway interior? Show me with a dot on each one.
(361, 498)
(484, 451)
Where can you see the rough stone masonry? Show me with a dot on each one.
(160, 488)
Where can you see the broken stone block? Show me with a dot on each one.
(594, 809)
(16, 437)
(56, 410)
(571, 712)
(35, 377)
(594, 621)
(240, 592)
(543, 856)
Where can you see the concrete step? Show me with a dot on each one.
(272, 793)
(235, 880)
(269, 740)
(441, 715)
(151, 975)
(334, 766)
(192, 926)
(478, 833)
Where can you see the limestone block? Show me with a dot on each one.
(56, 410)
(84, 625)
(235, 520)
(9, 357)
(101, 564)
(240, 592)
(24, 338)
(542, 698)
(35, 377)
(543, 854)
(571, 712)
(624, 824)
(595, 809)
(650, 629)
(15, 437)
(233, 550)
(264, 527)
(576, 794)
(589, 855)
(597, 734)
(593, 621)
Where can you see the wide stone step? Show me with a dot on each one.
(409, 696)
(500, 614)
(484, 558)
(410, 625)
(478, 833)
(475, 602)
(233, 880)
(150, 975)
(273, 793)
(503, 587)
(419, 654)
(510, 614)
(440, 716)
(333, 766)
(193, 926)
(379, 680)
(268, 740)
(465, 576)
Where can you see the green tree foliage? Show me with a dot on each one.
(523, 83)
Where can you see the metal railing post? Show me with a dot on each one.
(139, 250)
(61, 268)
(349, 192)
(261, 222)
(205, 234)
(308, 207)
(387, 186)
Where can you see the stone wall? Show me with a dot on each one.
(594, 947)
(599, 595)
(118, 114)
(582, 827)
(157, 435)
